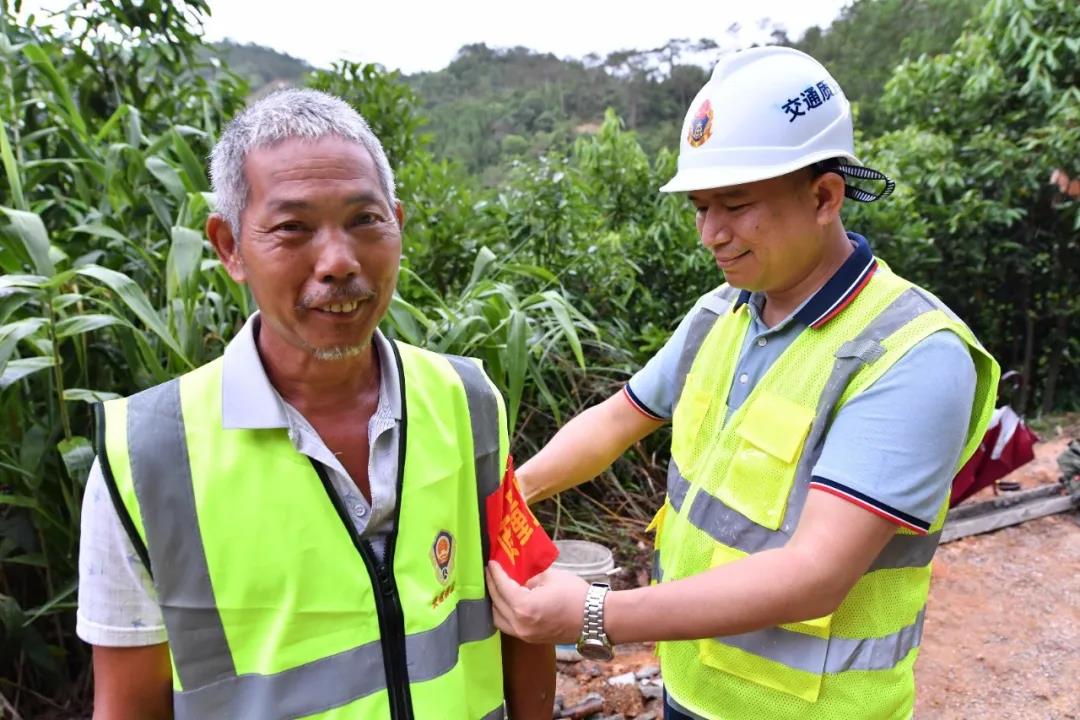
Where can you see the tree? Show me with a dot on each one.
(984, 127)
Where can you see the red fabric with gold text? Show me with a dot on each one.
(518, 543)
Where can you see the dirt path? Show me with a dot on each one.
(1002, 634)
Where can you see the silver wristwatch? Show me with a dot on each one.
(593, 643)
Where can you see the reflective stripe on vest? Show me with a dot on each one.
(336, 680)
(209, 682)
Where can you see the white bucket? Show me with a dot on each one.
(590, 561)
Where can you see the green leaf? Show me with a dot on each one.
(31, 231)
(119, 114)
(166, 174)
(86, 323)
(182, 265)
(59, 601)
(11, 299)
(484, 258)
(12, 333)
(193, 167)
(18, 369)
(99, 230)
(88, 396)
(30, 282)
(20, 634)
(78, 455)
(31, 559)
(517, 363)
(13, 500)
(562, 315)
(11, 169)
(65, 300)
(41, 61)
(136, 301)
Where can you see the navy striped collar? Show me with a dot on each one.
(839, 291)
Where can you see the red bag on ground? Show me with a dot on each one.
(1008, 444)
(518, 543)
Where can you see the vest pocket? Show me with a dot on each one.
(769, 441)
(789, 658)
(690, 411)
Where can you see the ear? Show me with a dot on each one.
(227, 246)
(399, 213)
(828, 192)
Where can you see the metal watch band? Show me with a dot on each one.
(593, 626)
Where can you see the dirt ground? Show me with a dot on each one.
(1002, 633)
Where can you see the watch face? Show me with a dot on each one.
(595, 650)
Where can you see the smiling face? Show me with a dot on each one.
(319, 245)
(766, 236)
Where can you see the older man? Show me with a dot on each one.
(295, 529)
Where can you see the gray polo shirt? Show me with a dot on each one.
(894, 447)
(117, 602)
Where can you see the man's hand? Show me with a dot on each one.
(548, 609)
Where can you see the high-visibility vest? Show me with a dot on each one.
(737, 485)
(273, 606)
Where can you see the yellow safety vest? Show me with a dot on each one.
(273, 606)
(737, 485)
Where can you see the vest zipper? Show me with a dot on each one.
(391, 628)
(387, 604)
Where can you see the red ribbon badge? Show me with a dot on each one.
(518, 542)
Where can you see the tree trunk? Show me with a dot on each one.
(1028, 367)
(1053, 368)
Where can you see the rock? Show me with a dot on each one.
(624, 679)
(591, 705)
(651, 692)
(647, 672)
(647, 715)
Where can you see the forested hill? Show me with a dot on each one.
(491, 105)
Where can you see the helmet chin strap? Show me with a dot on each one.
(859, 172)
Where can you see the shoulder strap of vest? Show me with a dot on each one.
(711, 308)
(484, 417)
(161, 478)
(114, 492)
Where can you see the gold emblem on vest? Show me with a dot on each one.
(442, 556)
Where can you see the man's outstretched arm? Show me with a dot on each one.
(584, 447)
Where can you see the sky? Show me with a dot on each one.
(425, 34)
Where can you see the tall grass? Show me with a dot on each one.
(109, 286)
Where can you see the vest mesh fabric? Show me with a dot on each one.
(749, 462)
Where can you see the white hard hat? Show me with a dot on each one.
(765, 112)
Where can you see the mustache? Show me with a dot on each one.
(348, 292)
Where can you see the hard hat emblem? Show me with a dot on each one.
(701, 125)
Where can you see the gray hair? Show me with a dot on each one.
(285, 114)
